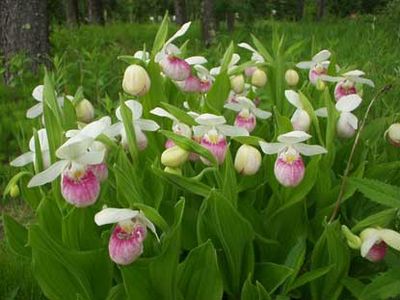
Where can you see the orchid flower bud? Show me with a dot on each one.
(175, 171)
(126, 241)
(175, 68)
(174, 157)
(237, 83)
(249, 71)
(291, 77)
(259, 78)
(320, 85)
(14, 191)
(136, 81)
(353, 240)
(84, 111)
(393, 134)
(79, 186)
(247, 160)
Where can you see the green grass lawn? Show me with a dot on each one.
(88, 57)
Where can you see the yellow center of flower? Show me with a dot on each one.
(127, 225)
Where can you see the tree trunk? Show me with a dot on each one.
(321, 9)
(180, 11)
(72, 12)
(299, 10)
(95, 12)
(207, 21)
(24, 29)
(230, 20)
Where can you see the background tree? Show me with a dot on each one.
(72, 12)
(24, 29)
(95, 12)
(180, 11)
(207, 21)
(320, 9)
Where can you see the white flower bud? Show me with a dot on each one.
(292, 77)
(320, 85)
(259, 78)
(393, 134)
(84, 111)
(237, 83)
(174, 157)
(136, 81)
(247, 160)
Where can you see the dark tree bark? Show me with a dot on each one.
(321, 9)
(207, 21)
(230, 20)
(180, 11)
(95, 12)
(299, 10)
(72, 12)
(24, 29)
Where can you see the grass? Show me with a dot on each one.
(87, 57)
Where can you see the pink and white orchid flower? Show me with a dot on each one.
(126, 241)
(79, 185)
(139, 124)
(300, 119)
(213, 130)
(346, 82)
(30, 156)
(36, 110)
(289, 166)
(231, 66)
(246, 118)
(318, 65)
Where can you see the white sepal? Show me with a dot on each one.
(147, 125)
(210, 120)
(158, 111)
(23, 159)
(322, 112)
(35, 111)
(390, 237)
(293, 137)
(271, 148)
(348, 103)
(196, 60)
(293, 98)
(179, 33)
(229, 130)
(309, 150)
(49, 174)
(37, 93)
(114, 215)
(321, 56)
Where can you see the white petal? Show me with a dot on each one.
(234, 60)
(331, 78)
(148, 224)
(321, 56)
(135, 107)
(368, 243)
(247, 46)
(293, 98)
(364, 81)
(179, 33)
(202, 71)
(38, 93)
(348, 103)
(246, 102)
(35, 111)
(91, 158)
(23, 159)
(305, 64)
(351, 119)
(293, 137)
(43, 142)
(72, 132)
(94, 129)
(114, 130)
(261, 114)
(210, 120)
(229, 130)
(114, 215)
(49, 174)
(309, 150)
(233, 106)
(200, 130)
(147, 125)
(142, 55)
(390, 237)
(172, 49)
(322, 112)
(193, 114)
(215, 71)
(325, 64)
(161, 112)
(160, 56)
(196, 60)
(271, 148)
(354, 73)
(74, 147)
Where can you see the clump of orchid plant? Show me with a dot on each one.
(289, 166)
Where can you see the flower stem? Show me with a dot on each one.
(382, 91)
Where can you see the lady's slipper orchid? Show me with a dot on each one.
(393, 134)
(36, 110)
(79, 185)
(248, 112)
(348, 123)
(84, 111)
(174, 157)
(178, 127)
(213, 130)
(247, 160)
(136, 81)
(126, 241)
(139, 124)
(346, 82)
(291, 77)
(206, 79)
(30, 156)
(318, 65)
(237, 83)
(300, 119)
(289, 167)
(373, 242)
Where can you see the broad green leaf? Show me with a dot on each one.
(310, 110)
(310, 276)
(382, 219)
(218, 93)
(248, 140)
(16, 236)
(378, 191)
(229, 183)
(117, 292)
(295, 261)
(384, 286)
(226, 59)
(179, 114)
(232, 236)
(161, 36)
(261, 49)
(252, 291)
(354, 286)
(153, 215)
(271, 275)
(129, 130)
(199, 276)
